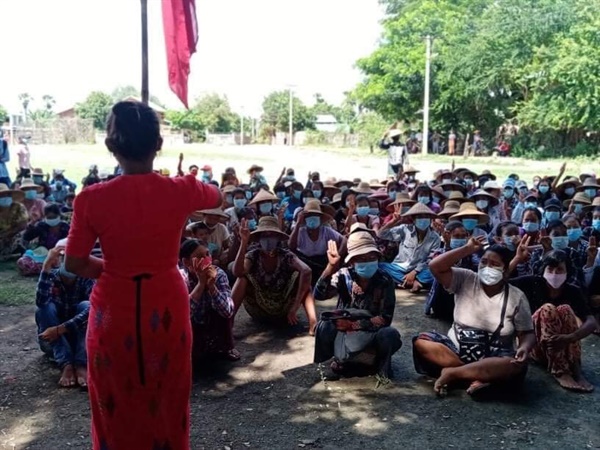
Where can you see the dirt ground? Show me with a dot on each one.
(274, 397)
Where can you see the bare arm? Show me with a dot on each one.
(90, 267)
(294, 237)
(441, 267)
(241, 266)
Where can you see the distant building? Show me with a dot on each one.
(327, 123)
(71, 114)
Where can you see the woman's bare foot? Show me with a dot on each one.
(567, 381)
(67, 377)
(312, 327)
(416, 287)
(477, 386)
(81, 373)
(441, 384)
(585, 385)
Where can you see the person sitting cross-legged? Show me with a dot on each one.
(359, 332)
(63, 306)
(489, 313)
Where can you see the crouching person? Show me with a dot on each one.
(63, 306)
(358, 333)
(489, 313)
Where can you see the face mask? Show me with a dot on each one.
(374, 211)
(362, 211)
(297, 194)
(555, 280)
(530, 205)
(596, 224)
(344, 188)
(205, 174)
(574, 234)
(551, 215)
(269, 244)
(6, 201)
(510, 244)
(422, 224)
(470, 224)
(212, 247)
(405, 209)
(531, 227)
(228, 199)
(591, 193)
(457, 243)
(469, 181)
(281, 195)
(305, 200)
(366, 269)
(447, 193)
(508, 193)
(239, 203)
(38, 180)
(560, 242)
(266, 208)
(436, 199)
(58, 185)
(317, 193)
(577, 208)
(570, 191)
(65, 273)
(490, 276)
(446, 180)
(53, 222)
(31, 194)
(392, 195)
(249, 195)
(544, 189)
(252, 224)
(423, 199)
(482, 204)
(523, 190)
(41, 196)
(312, 223)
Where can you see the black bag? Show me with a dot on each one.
(347, 314)
(475, 344)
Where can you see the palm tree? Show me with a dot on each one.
(49, 102)
(25, 99)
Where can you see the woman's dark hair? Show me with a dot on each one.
(133, 131)
(189, 246)
(52, 208)
(345, 195)
(502, 226)
(279, 187)
(505, 254)
(306, 193)
(536, 211)
(554, 259)
(193, 166)
(317, 182)
(451, 226)
(361, 198)
(247, 213)
(198, 226)
(568, 217)
(238, 191)
(555, 225)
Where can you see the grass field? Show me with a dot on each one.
(341, 163)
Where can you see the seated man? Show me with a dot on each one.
(63, 306)
(479, 349)
(367, 290)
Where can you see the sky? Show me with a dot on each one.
(247, 48)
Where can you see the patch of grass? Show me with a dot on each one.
(15, 290)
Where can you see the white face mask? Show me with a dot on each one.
(555, 280)
(490, 276)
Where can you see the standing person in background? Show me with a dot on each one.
(451, 142)
(139, 340)
(4, 158)
(24, 159)
(397, 153)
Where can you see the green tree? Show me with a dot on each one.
(96, 107)
(121, 92)
(49, 102)
(3, 114)
(276, 113)
(370, 127)
(25, 100)
(215, 113)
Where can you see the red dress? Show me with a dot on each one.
(139, 336)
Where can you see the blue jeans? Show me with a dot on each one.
(70, 347)
(398, 273)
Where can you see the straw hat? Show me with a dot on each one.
(491, 185)
(456, 196)
(228, 189)
(402, 199)
(588, 183)
(439, 191)
(263, 196)
(328, 210)
(585, 175)
(361, 227)
(410, 169)
(470, 210)
(419, 209)
(595, 203)
(17, 196)
(440, 173)
(362, 188)
(329, 186)
(579, 197)
(361, 244)
(255, 168)
(571, 181)
(37, 171)
(27, 184)
(451, 207)
(489, 197)
(346, 183)
(375, 184)
(381, 194)
(452, 184)
(268, 224)
(313, 207)
(337, 199)
(464, 172)
(395, 132)
(214, 212)
(488, 174)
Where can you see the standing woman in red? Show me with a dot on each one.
(139, 339)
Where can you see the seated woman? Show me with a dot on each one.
(363, 287)
(13, 220)
(557, 306)
(489, 314)
(416, 243)
(211, 305)
(239, 202)
(213, 231)
(272, 282)
(309, 238)
(46, 233)
(34, 204)
(263, 201)
(360, 211)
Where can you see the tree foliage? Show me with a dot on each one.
(95, 107)
(122, 92)
(3, 114)
(276, 113)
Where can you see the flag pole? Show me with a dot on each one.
(145, 89)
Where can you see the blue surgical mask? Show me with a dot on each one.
(37, 179)
(531, 227)
(53, 222)
(239, 203)
(228, 199)
(530, 205)
(313, 222)
(436, 199)
(482, 204)
(58, 185)
(31, 194)
(508, 193)
(362, 211)
(266, 208)
(447, 192)
(470, 224)
(596, 224)
(392, 195)
(560, 242)
(280, 195)
(297, 194)
(317, 193)
(469, 181)
(543, 188)
(6, 201)
(551, 215)
(374, 211)
(574, 234)
(405, 209)
(577, 208)
(423, 199)
(344, 188)
(366, 269)
(252, 224)
(457, 243)
(268, 244)
(591, 193)
(570, 191)
(65, 273)
(212, 247)
(422, 224)
(249, 195)
(305, 200)
(509, 242)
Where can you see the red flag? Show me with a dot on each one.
(181, 37)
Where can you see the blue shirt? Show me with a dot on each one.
(4, 158)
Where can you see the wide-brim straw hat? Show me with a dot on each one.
(228, 189)
(470, 210)
(463, 172)
(328, 186)
(328, 210)
(419, 209)
(579, 197)
(17, 196)
(488, 174)
(213, 212)
(402, 199)
(361, 243)
(268, 224)
(492, 185)
(27, 184)
(560, 189)
(456, 196)
(361, 227)
(263, 196)
(489, 197)
(255, 167)
(346, 183)
(595, 203)
(38, 172)
(362, 188)
(410, 169)
(381, 194)
(588, 183)
(453, 185)
(451, 207)
(376, 184)
(583, 176)
(439, 191)
(440, 173)
(337, 199)
(395, 132)
(313, 207)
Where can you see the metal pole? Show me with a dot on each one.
(426, 96)
(291, 133)
(145, 88)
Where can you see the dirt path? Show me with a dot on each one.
(274, 399)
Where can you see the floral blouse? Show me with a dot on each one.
(17, 215)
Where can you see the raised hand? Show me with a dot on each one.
(477, 243)
(244, 231)
(283, 172)
(53, 258)
(181, 157)
(301, 218)
(333, 255)
(592, 250)
(545, 240)
(523, 250)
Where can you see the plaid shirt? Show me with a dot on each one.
(412, 254)
(50, 289)
(222, 303)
